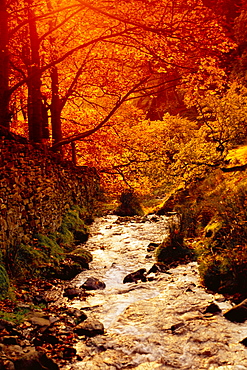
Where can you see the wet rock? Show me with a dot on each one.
(39, 319)
(212, 308)
(155, 268)
(67, 270)
(152, 246)
(34, 360)
(49, 338)
(93, 284)
(244, 342)
(10, 340)
(90, 328)
(135, 276)
(78, 314)
(79, 259)
(8, 325)
(190, 287)
(81, 236)
(154, 218)
(40, 298)
(68, 352)
(81, 255)
(73, 292)
(177, 326)
(237, 313)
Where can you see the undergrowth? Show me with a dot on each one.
(215, 214)
(46, 252)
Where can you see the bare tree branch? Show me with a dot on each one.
(103, 122)
(66, 55)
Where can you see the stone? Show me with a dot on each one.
(212, 308)
(237, 313)
(135, 276)
(152, 246)
(35, 360)
(49, 338)
(72, 292)
(39, 319)
(68, 352)
(90, 328)
(175, 327)
(67, 270)
(93, 284)
(4, 324)
(6, 365)
(81, 236)
(244, 342)
(78, 314)
(155, 268)
(10, 340)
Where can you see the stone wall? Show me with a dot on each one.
(36, 190)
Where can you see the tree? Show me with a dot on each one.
(84, 68)
(4, 66)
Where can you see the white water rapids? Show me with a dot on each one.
(157, 324)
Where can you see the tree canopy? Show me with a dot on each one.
(135, 85)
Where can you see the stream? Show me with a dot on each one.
(158, 324)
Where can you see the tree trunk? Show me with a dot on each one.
(4, 67)
(55, 108)
(35, 105)
(73, 147)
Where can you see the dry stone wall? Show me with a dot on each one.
(36, 190)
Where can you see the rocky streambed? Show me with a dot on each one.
(166, 321)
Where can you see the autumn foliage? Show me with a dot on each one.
(104, 74)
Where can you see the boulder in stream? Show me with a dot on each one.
(90, 328)
(135, 276)
(212, 308)
(93, 284)
(237, 313)
(71, 292)
(152, 246)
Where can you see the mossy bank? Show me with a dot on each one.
(45, 206)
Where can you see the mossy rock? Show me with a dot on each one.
(73, 229)
(65, 271)
(83, 253)
(72, 220)
(4, 282)
(49, 246)
(80, 236)
(169, 251)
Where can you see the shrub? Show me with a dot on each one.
(226, 271)
(173, 248)
(130, 205)
(23, 261)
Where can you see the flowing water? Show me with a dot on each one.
(158, 324)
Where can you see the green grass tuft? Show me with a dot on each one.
(4, 282)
